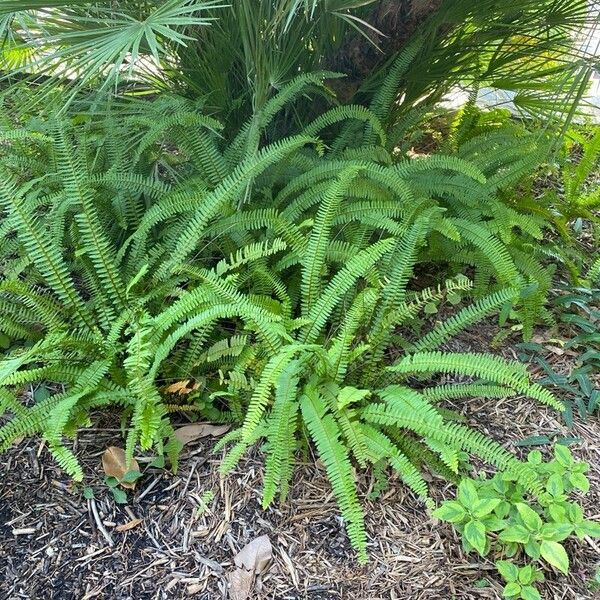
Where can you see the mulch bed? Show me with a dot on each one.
(55, 544)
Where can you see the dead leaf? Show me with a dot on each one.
(181, 387)
(412, 153)
(178, 387)
(196, 431)
(253, 559)
(115, 465)
(129, 525)
(256, 555)
(240, 584)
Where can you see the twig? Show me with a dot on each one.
(99, 524)
(149, 488)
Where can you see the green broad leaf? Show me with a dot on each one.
(515, 533)
(349, 395)
(532, 549)
(475, 535)
(526, 574)
(111, 482)
(158, 462)
(574, 512)
(557, 513)
(493, 523)
(508, 570)
(41, 393)
(450, 511)
(528, 592)
(512, 590)
(534, 457)
(530, 518)
(580, 467)
(511, 549)
(485, 507)
(563, 455)
(557, 532)
(88, 493)
(555, 485)
(503, 509)
(131, 476)
(467, 493)
(590, 528)
(454, 298)
(580, 481)
(555, 554)
(119, 495)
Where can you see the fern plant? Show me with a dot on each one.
(275, 275)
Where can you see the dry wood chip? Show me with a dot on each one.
(129, 525)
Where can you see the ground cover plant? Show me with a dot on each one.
(265, 239)
(496, 513)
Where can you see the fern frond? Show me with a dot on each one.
(316, 248)
(467, 316)
(282, 425)
(483, 366)
(326, 435)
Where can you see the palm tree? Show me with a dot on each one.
(236, 56)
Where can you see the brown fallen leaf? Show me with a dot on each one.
(240, 584)
(129, 525)
(181, 387)
(253, 559)
(115, 465)
(196, 431)
(256, 555)
(538, 338)
(177, 387)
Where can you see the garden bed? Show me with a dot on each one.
(52, 545)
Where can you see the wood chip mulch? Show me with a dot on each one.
(57, 545)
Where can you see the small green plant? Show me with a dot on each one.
(496, 515)
(119, 495)
(579, 317)
(520, 582)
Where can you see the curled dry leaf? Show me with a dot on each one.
(115, 465)
(256, 555)
(196, 431)
(129, 525)
(253, 559)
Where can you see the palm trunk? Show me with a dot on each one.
(396, 21)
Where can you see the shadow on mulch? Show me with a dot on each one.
(56, 545)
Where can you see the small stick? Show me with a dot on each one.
(149, 488)
(99, 523)
(24, 531)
